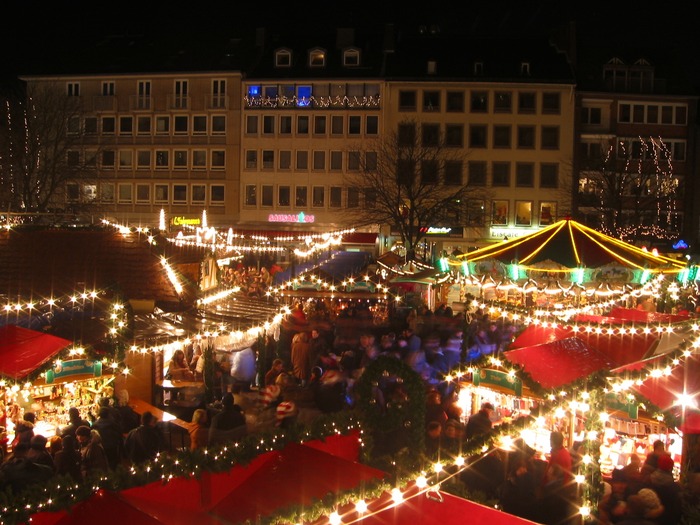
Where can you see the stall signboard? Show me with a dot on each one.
(613, 402)
(74, 367)
(498, 378)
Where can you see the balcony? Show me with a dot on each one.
(140, 102)
(104, 103)
(178, 102)
(217, 101)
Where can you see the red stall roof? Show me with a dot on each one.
(22, 351)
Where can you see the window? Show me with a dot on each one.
(162, 125)
(477, 173)
(285, 125)
(319, 160)
(454, 135)
(353, 198)
(143, 125)
(523, 213)
(501, 174)
(162, 159)
(108, 125)
(90, 125)
(526, 137)
(551, 103)
(625, 113)
(317, 58)
(371, 159)
(302, 125)
(283, 58)
(181, 94)
(285, 159)
(179, 193)
(318, 196)
(550, 137)
(180, 160)
(199, 194)
(218, 159)
(354, 125)
(407, 100)
(524, 175)
(199, 124)
(143, 97)
(251, 125)
(407, 134)
(336, 160)
(548, 213)
(218, 124)
(108, 88)
(124, 195)
(107, 192)
(267, 195)
(476, 210)
(268, 159)
(73, 89)
(302, 160)
(549, 175)
(431, 101)
(108, 158)
(478, 69)
(477, 136)
(501, 136)
(429, 172)
(527, 103)
(126, 159)
(301, 196)
(479, 102)
(91, 158)
(336, 125)
(180, 124)
(499, 213)
(143, 194)
(335, 196)
(143, 159)
(351, 57)
(217, 194)
(591, 115)
(455, 101)
(218, 93)
(453, 172)
(268, 125)
(73, 158)
(430, 135)
(251, 195)
(525, 68)
(73, 125)
(161, 194)
(371, 125)
(353, 160)
(503, 102)
(319, 125)
(370, 197)
(251, 159)
(199, 159)
(126, 125)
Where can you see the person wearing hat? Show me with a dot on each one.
(668, 489)
(93, 460)
(651, 505)
(38, 453)
(480, 423)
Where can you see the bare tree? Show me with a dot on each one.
(411, 181)
(43, 162)
(632, 188)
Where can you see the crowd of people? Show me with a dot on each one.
(252, 281)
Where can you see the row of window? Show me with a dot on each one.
(149, 125)
(480, 101)
(658, 150)
(502, 136)
(146, 193)
(146, 159)
(181, 88)
(669, 114)
(314, 95)
(317, 57)
(286, 125)
(317, 160)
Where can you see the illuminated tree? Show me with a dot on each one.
(411, 181)
(633, 190)
(43, 163)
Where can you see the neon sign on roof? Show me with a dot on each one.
(289, 217)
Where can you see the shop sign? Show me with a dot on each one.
(290, 217)
(74, 367)
(613, 402)
(500, 379)
(184, 221)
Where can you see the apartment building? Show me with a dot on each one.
(154, 141)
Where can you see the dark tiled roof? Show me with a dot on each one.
(49, 262)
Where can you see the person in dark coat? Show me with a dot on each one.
(144, 442)
(74, 421)
(480, 423)
(19, 472)
(38, 453)
(67, 461)
(229, 424)
(111, 434)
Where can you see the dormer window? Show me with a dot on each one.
(478, 68)
(351, 57)
(317, 58)
(525, 68)
(283, 58)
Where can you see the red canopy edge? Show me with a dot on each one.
(22, 351)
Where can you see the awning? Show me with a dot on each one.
(23, 351)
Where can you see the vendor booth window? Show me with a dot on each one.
(523, 213)
(548, 213)
(499, 213)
